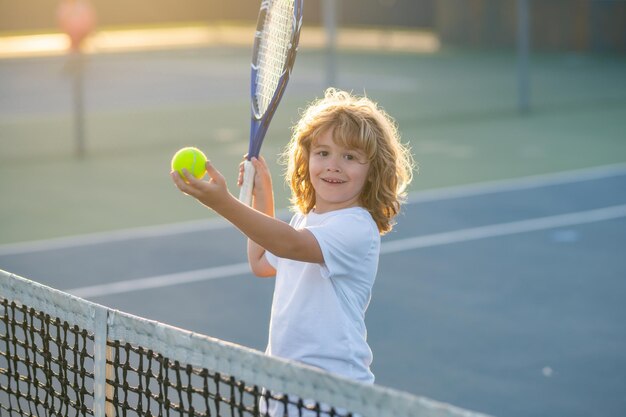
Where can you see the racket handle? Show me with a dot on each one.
(245, 193)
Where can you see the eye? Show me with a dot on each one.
(323, 153)
(350, 157)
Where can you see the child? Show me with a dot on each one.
(348, 172)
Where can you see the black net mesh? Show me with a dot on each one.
(46, 365)
(145, 383)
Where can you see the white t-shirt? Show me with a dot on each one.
(318, 311)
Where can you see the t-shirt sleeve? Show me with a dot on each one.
(345, 241)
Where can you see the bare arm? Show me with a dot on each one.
(262, 201)
(272, 234)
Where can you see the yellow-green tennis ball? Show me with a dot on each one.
(192, 159)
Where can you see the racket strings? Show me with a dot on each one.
(273, 50)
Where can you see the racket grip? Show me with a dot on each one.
(245, 193)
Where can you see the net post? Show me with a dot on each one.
(78, 94)
(101, 369)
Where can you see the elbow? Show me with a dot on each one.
(264, 274)
(262, 271)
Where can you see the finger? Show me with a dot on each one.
(213, 172)
(189, 179)
(242, 170)
(258, 164)
(240, 176)
(178, 181)
(176, 177)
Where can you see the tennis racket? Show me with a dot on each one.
(273, 55)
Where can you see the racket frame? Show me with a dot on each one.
(259, 123)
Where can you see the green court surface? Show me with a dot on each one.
(456, 108)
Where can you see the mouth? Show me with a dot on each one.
(333, 181)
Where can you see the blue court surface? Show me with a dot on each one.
(502, 297)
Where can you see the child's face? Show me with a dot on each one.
(338, 174)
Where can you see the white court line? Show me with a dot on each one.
(437, 239)
(112, 236)
(523, 183)
(161, 281)
(504, 229)
(535, 181)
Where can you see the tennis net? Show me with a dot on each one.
(64, 356)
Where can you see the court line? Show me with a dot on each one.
(489, 187)
(504, 229)
(161, 281)
(394, 246)
(522, 183)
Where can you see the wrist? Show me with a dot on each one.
(224, 204)
(264, 205)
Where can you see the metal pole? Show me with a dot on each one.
(523, 56)
(77, 66)
(329, 11)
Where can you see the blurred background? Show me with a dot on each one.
(573, 25)
(157, 75)
(487, 93)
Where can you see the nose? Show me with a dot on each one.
(333, 164)
(332, 167)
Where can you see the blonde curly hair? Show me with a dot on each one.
(357, 123)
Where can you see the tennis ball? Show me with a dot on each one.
(192, 159)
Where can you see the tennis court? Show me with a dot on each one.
(499, 291)
(487, 296)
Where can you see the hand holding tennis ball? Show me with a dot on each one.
(211, 192)
(191, 159)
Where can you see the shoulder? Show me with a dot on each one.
(354, 227)
(354, 217)
(349, 241)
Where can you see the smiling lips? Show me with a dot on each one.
(333, 180)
